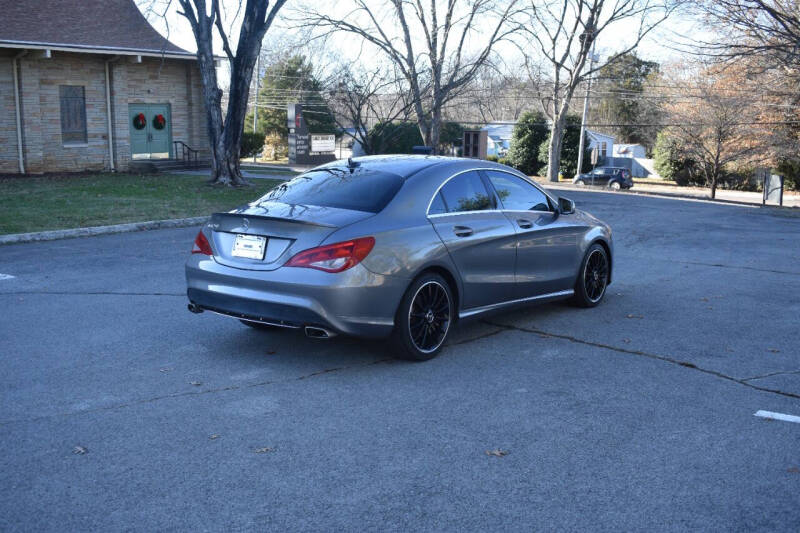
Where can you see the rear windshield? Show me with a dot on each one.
(362, 190)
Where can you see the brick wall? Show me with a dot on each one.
(174, 82)
(9, 163)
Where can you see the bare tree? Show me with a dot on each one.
(225, 136)
(446, 61)
(365, 100)
(563, 32)
(715, 122)
(766, 29)
(493, 95)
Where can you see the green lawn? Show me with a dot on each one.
(57, 202)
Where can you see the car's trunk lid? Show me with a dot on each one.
(288, 229)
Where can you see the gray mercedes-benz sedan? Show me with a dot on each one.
(399, 247)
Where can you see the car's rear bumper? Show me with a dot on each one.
(354, 302)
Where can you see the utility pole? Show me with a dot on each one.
(585, 111)
(255, 98)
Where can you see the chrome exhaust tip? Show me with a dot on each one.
(194, 308)
(318, 333)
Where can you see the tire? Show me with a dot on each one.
(580, 183)
(423, 318)
(590, 287)
(615, 185)
(258, 325)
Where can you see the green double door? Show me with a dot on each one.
(148, 141)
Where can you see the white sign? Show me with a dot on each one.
(323, 143)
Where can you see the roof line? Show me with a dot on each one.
(98, 49)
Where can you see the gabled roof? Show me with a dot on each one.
(596, 135)
(98, 26)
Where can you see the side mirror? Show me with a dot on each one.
(565, 206)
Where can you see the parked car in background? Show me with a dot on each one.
(399, 247)
(612, 177)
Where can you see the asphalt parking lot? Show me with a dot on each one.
(121, 410)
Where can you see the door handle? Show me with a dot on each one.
(524, 223)
(462, 231)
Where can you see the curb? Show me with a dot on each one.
(672, 195)
(17, 238)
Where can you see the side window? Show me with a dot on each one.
(517, 194)
(466, 192)
(73, 114)
(437, 205)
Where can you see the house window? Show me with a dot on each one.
(603, 149)
(73, 114)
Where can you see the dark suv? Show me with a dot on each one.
(611, 177)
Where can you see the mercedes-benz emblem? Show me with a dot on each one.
(245, 223)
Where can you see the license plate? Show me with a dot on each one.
(249, 246)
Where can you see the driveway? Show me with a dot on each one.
(121, 410)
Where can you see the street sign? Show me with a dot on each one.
(321, 144)
(306, 148)
(594, 156)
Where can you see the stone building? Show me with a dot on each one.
(90, 85)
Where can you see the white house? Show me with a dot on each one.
(630, 150)
(604, 143)
(499, 138)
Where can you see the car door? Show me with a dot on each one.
(480, 239)
(600, 176)
(546, 241)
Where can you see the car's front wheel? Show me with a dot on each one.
(590, 287)
(424, 318)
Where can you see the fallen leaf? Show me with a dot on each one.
(703, 299)
(710, 307)
(774, 350)
(165, 369)
(626, 341)
(271, 352)
(265, 449)
(497, 453)
(196, 383)
(793, 470)
(80, 450)
(213, 437)
(543, 336)
(634, 316)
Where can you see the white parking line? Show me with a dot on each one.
(778, 416)
(6, 276)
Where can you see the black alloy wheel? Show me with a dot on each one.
(593, 278)
(424, 318)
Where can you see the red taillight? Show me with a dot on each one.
(334, 257)
(201, 245)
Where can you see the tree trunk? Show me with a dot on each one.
(554, 147)
(714, 177)
(225, 138)
(426, 131)
(436, 126)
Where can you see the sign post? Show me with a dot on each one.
(307, 148)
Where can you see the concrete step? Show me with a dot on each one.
(166, 165)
